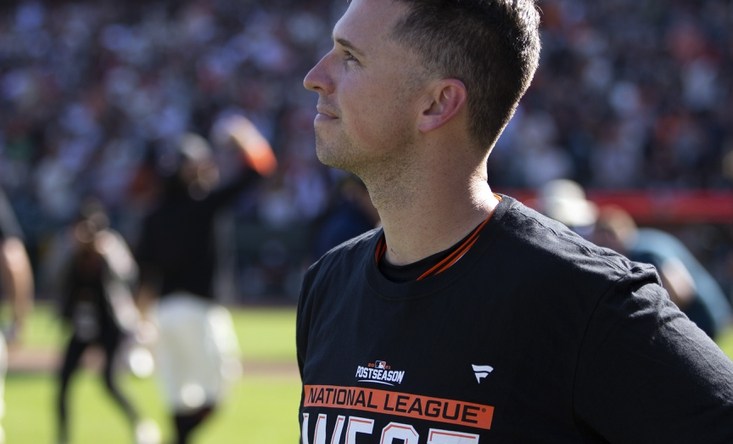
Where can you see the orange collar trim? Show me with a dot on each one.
(446, 262)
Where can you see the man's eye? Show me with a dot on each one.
(349, 57)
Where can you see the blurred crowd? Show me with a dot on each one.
(630, 94)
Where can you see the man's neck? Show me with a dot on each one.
(424, 223)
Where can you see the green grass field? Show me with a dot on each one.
(262, 408)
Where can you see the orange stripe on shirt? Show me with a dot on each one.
(449, 260)
(452, 258)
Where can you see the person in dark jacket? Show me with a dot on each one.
(197, 352)
(97, 306)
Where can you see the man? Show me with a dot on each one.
(16, 287)
(468, 317)
(197, 350)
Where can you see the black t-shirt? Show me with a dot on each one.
(535, 335)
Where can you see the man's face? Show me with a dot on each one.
(367, 89)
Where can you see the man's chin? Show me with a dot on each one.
(329, 159)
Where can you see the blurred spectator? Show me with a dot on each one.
(197, 351)
(688, 283)
(97, 304)
(16, 289)
(349, 214)
(565, 200)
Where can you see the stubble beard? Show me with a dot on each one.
(340, 154)
(367, 164)
(384, 173)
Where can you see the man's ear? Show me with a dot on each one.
(448, 97)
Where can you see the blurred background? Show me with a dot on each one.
(632, 100)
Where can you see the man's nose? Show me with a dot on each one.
(317, 79)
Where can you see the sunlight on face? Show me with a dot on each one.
(367, 99)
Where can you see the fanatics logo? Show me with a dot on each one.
(379, 372)
(481, 371)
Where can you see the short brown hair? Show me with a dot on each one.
(492, 46)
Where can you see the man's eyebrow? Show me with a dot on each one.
(348, 45)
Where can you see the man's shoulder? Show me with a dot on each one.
(354, 248)
(553, 249)
(341, 263)
(526, 228)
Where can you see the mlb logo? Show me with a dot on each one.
(380, 364)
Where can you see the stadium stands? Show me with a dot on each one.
(630, 95)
